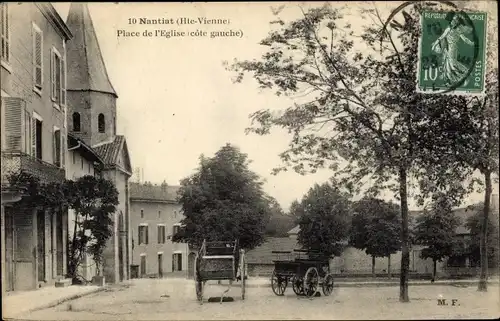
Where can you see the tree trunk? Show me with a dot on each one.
(373, 266)
(483, 247)
(405, 253)
(434, 270)
(389, 266)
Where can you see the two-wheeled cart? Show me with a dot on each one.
(306, 274)
(219, 261)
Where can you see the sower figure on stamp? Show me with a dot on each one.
(447, 46)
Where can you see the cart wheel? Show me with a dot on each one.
(311, 281)
(198, 281)
(298, 285)
(327, 284)
(278, 284)
(243, 274)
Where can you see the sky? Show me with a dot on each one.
(177, 101)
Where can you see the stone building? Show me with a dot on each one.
(92, 119)
(155, 217)
(33, 113)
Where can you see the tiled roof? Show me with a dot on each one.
(153, 192)
(88, 71)
(263, 253)
(110, 152)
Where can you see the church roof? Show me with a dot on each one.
(111, 151)
(84, 57)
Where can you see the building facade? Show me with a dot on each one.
(33, 112)
(82, 161)
(91, 117)
(155, 217)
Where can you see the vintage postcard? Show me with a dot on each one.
(249, 160)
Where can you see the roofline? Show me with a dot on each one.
(151, 200)
(96, 91)
(48, 8)
(87, 148)
(121, 169)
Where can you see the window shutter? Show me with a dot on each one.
(38, 58)
(63, 82)
(147, 234)
(63, 150)
(159, 232)
(52, 75)
(14, 112)
(139, 236)
(33, 137)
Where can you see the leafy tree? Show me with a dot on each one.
(279, 223)
(94, 200)
(357, 103)
(376, 228)
(224, 201)
(435, 229)
(295, 211)
(324, 221)
(476, 150)
(474, 224)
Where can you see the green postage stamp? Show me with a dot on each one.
(452, 53)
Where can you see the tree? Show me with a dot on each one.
(94, 200)
(474, 224)
(435, 229)
(477, 150)
(224, 201)
(358, 104)
(376, 228)
(279, 223)
(324, 220)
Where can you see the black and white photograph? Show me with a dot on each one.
(334, 160)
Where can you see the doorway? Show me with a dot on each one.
(160, 265)
(59, 243)
(143, 266)
(191, 258)
(9, 250)
(40, 225)
(121, 234)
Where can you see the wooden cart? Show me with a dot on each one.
(306, 274)
(219, 261)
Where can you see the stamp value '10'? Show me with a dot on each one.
(452, 53)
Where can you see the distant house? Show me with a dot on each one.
(356, 262)
(155, 218)
(260, 260)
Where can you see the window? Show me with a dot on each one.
(176, 262)
(161, 234)
(175, 229)
(57, 78)
(74, 158)
(4, 14)
(76, 122)
(101, 124)
(81, 161)
(159, 214)
(37, 58)
(57, 147)
(142, 213)
(37, 146)
(28, 123)
(143, 234)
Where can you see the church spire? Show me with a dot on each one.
(84, 54)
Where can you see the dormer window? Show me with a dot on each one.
(76, 122)
(101, 124)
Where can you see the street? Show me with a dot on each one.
(174, 299)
